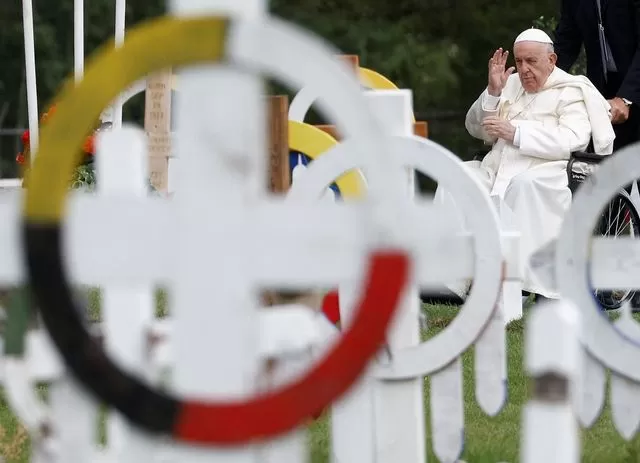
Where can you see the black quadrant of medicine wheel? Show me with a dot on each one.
(83, 354)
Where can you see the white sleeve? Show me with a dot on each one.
(485, 105)
(489, 102)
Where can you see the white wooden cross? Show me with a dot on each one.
(476, 253)
(216, 257)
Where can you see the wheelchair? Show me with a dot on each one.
(620, 218)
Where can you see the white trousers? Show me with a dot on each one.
(538, 198)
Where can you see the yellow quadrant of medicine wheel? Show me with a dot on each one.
(313, 142)
(161, 43)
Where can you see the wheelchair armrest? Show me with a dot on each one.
(587, 156)
(584, 162)
(580, 166)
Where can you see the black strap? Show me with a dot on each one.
(599, 12)
(608, 63)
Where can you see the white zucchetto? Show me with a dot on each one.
(534, 35)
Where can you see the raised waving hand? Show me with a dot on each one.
(497, 74)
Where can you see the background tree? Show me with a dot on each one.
(437, 48)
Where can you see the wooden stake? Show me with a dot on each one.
(157, 125)
(421, 129)
(279, 169)
(352, 60)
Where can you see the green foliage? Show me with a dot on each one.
(437, 48)
(84, 177)
(546, 24)
(53, 30)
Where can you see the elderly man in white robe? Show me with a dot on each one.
(534, 120)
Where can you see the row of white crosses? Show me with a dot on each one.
(433, 242)
(65, 396)
(394, 430)
(382, 419)
(510, 299)
(409, 446)
(64, 393)
(109, 180)
(230, 306)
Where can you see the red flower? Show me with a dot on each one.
(89, 145)
(331, 306)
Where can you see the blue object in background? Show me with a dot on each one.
(295, 156)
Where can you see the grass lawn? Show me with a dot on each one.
(492, 440)
(488, 440)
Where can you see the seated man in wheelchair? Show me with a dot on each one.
(534, 120)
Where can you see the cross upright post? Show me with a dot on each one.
(221, 147)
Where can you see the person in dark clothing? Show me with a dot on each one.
(610, 33)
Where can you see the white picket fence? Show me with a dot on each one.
(221, 239)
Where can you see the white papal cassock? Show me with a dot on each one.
(529, 175)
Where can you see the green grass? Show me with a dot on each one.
(495, 439)
(487, 439)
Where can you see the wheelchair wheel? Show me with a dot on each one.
(620, 218)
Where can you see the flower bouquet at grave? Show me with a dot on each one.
(84, 174)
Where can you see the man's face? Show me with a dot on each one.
(534, 62)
